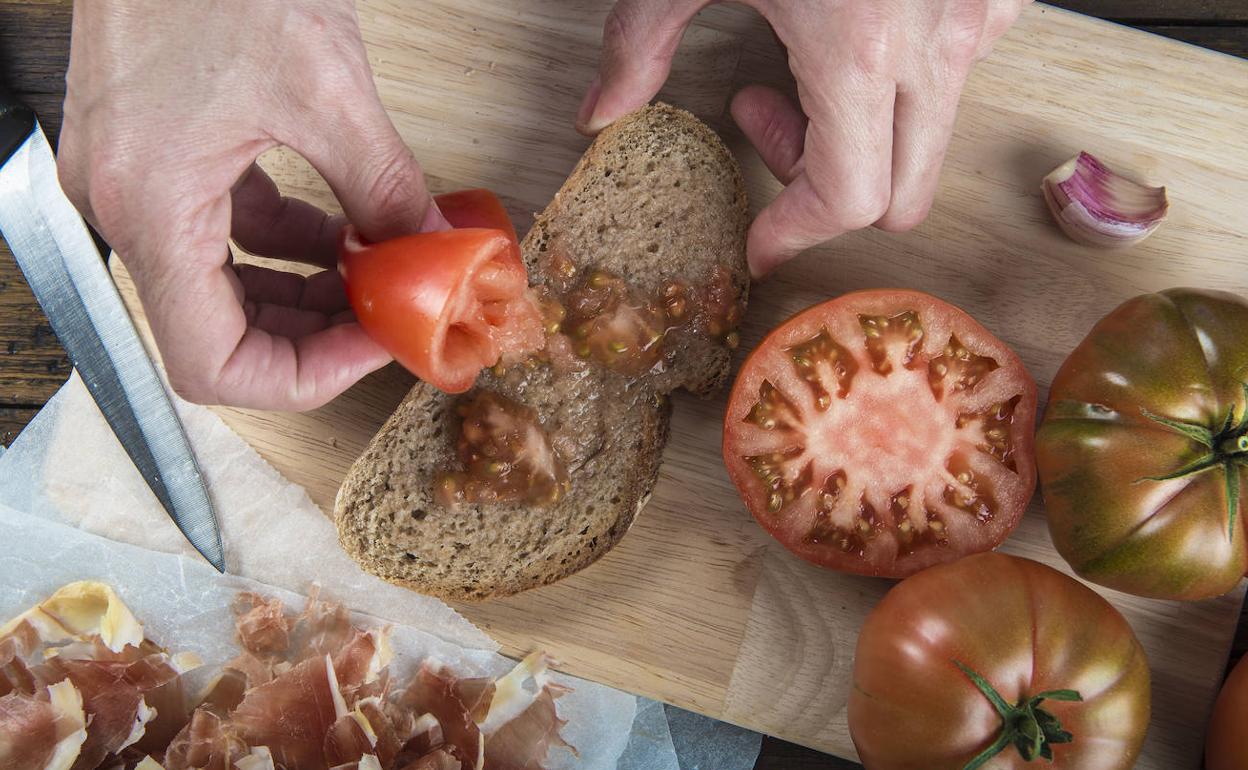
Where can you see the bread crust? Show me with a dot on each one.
(611, 430)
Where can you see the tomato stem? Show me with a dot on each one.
(1228, 450)
(1029, 728)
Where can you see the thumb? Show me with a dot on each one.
(638, 42)
(373, 173)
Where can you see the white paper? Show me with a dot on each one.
(184, 605)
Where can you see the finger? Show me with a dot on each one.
(211, 354)
(265, 222)
(1001, 16)
(283, 320)
(321, 292)
(775, 126)
(639, 39)
(844, 180)
(922, 127)
(370, 169)
(267, 371)
(275, 287)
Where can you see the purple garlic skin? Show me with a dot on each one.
(1096, 206)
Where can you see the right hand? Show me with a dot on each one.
(168, 106)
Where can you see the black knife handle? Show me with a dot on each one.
(17, 122)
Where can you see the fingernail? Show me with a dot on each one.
(585, 115)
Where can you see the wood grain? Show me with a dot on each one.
(12, 420)
(32, 363)
(696, 606)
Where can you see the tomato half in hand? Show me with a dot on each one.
(882, 432)
(997, 658)
(445, 304)
(1226, 743)
(1143, 453)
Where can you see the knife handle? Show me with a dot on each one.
(17, 122)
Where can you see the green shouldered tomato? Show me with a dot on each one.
(1143, 452)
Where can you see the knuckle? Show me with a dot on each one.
(394, 181)
(101, 185)
(863, 208)
(963, 32)
(188, 384)
(899, 219)
(873, 45)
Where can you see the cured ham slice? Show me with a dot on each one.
(204, 744)
(81, 688)
(262, 625)
(43, 733)
(433, 692)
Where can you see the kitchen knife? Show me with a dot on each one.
(56, 254)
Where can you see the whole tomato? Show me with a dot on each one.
(1001, 660)
(1226, 744)
(1143, 452)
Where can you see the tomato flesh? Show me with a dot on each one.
(506, 456)
(446, 304)
(882, 432)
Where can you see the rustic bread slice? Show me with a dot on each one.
(389, 521)
(657, 198)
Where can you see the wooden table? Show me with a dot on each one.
(34, 50)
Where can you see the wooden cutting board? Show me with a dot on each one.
(697, 606)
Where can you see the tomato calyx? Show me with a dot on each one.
(1028, 727)
(1227, 448)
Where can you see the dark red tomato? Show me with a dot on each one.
(1226, 744)
(1143, 453)
(445, 304)
(997, 662)
(882, 432)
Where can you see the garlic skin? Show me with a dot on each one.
(1097, 207)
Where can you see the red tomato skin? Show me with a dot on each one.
(1226, 744)
(747, 483)
(479, 207)
(402, 289)
(1023, 626)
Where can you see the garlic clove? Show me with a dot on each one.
(1096, 206)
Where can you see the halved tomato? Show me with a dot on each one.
(445, 304)
(882, 432)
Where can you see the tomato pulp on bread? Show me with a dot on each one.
(446, 304)
(882, 432)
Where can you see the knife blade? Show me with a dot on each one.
(55, 252)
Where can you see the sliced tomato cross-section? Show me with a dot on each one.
(446, 304)
(882, 432)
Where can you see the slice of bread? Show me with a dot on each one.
(657, 198)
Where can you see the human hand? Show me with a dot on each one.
(168, 106)
(878, 83)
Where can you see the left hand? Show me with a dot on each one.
(878, 82)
